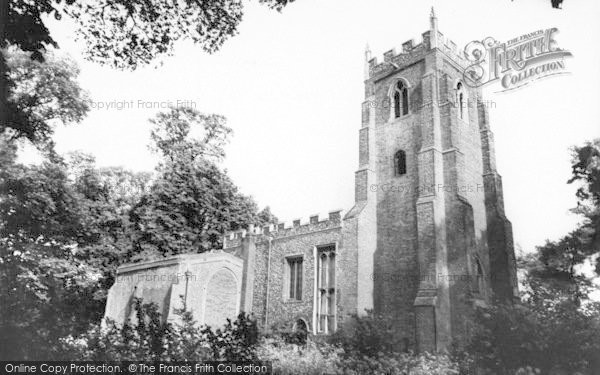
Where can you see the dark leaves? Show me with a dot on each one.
(41, 93)
(127, 34)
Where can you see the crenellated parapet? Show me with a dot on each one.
(393, 61)
(280, 230)
(412, 53)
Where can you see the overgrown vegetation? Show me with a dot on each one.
(149, 337)
(556, 327)
(66, 224)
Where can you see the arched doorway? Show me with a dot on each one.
(301, 331)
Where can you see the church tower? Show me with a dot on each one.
(428, 222)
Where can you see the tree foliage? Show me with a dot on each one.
(126, 33)
(188, 209)
(556, 328)
(63, 231)
(66, 225)
(540, 333)
(586, 173)
(41, 94)
(106, 197)
(192, 203)
(42, 278)
(173, 138)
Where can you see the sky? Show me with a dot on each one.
(291, 86)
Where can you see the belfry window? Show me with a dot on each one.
(400, 163)
(326, 291)
(461, 99)
(400, 99)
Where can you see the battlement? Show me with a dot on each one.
(412, 53)
(280, 230)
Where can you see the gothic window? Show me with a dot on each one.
(295, 278)
(326, 289)
(461, 99)
(400, 163)
(400, 99)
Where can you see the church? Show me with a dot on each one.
(426, 241)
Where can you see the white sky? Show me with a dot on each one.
(291, 86)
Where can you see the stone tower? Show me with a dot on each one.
(429, 212)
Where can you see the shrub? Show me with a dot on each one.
(322, 358)
(371, 344)
(288, 334)
(152, 339)
(562, 339)
(235, 342)
(309, 359)
(370, 335)
(400, 364)
(149, 338)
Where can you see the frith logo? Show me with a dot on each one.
(515, 63)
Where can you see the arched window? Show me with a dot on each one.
(400, 163)
(461, 99)
(400, 99)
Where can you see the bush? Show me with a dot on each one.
(290, 335)
(152, 339)
(370, 335)
(371, 344)
(558, 339)
(149, 338)
(322, 358)
(399, 364)
(309, 359)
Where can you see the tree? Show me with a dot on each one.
(557, 326)
(106, 196)
(64, 229)
(41, 94)
(172, 136)
(561, 339)
(188, 209)
(192, 202)
(556, 265)
(66, 225)
(265, 216)
(586, 172)
(41, 278)
(124, 34)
